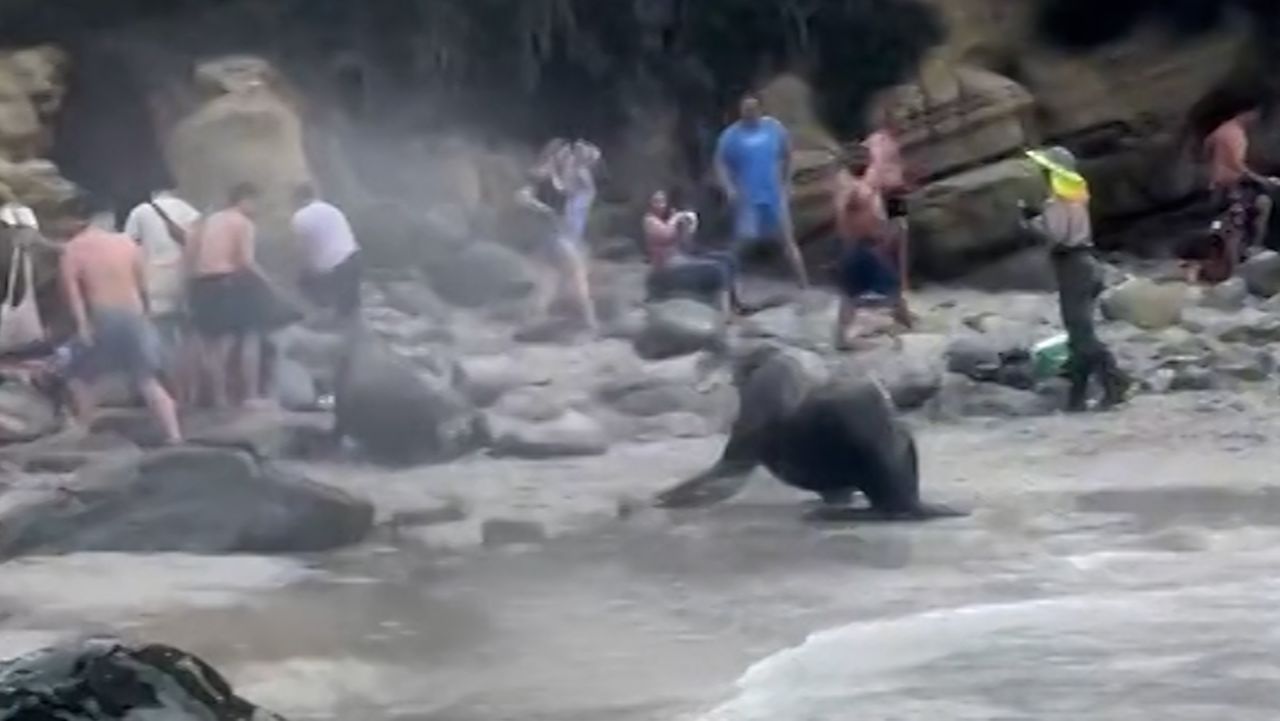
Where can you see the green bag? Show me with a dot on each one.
(1049, 357)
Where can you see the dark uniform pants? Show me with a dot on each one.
(1078, 289)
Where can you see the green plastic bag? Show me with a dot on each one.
(1049, 357)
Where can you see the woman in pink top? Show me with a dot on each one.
(678, 265)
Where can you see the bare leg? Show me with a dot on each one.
(575, 270)
(162, 409)
(83, 404)
(217, 359)
(792, 248)
(902, 313)
(1262, 223)
(844, 321)
(250, 366)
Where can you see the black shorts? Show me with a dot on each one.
(895, 205)
(339, 288)
(224, 304)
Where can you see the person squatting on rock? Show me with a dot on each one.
(334, 268)
(1065, 226)
(753, 167)
(1241, 196)
(873, 257)
(104, 278)
(161, 227)
(678, 264)
(224, 293)
(562, 187)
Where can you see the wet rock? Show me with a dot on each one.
(1229, 295)
(188, 500)
(974, 356)
(398, 415)
(572, 434)
(1261, 274)
(1145, 304)
(486, 379)
(25, 413)
(1250, 326)
(962, 397)
(679, 327)
(482, 273)
(106, 680)
(415, 298)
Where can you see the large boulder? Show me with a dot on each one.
(187, 500)
(679, 327)
(32, 88)
(109, 680)
(1145, 304)
(967, 220)
(25, 413)
(246, 130)
(790, 98)
(1261, 274)
(481, 273)
(397, 415)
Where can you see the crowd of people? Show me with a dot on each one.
(177, 303)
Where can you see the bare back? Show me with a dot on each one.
(887, 171)
(222, 245)
(1227, 149)
(105, 269)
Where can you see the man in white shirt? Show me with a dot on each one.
(160, 227)
(330, 253)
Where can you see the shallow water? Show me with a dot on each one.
(1100, 575)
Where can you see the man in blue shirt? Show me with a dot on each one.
(753, 165)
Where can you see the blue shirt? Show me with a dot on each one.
(753, 156)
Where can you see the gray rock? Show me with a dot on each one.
(679, 327)
(25, 413)
(1193, 378)
(482, 273)
(1229, 295)
(534, 404)
(1250, 365)
(570, 435)
(1145, 304)
(647, 397)
(188, 500)
(415, 298)
(486, 379)
(295, 389)
(398, 415)
(108, 680)
(1028, 269)
(1261, 274)
(318, 352)
(974, 356)
(1250, 326)
(962, 397)
(66, 452)
(499, 532)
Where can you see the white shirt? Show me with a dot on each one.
(162, 251)
(325, 236)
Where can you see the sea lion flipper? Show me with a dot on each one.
(715, 485)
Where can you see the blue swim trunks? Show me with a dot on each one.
(754, 223)
(865, 272)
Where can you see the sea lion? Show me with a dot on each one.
(833, 438)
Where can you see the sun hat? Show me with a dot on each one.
(1064, 177)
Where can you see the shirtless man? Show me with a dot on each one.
(223, 292)
(874, 258)
(1240, 193)
(887, 170)
(104, 279)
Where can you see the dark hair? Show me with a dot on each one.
(84, 205)
(243, 191)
